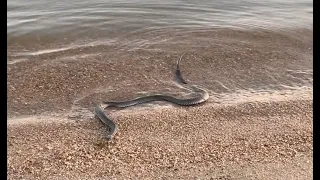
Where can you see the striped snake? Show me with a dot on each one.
(201, 96)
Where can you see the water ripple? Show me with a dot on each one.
(104, 17)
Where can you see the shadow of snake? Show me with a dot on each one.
(201, 96)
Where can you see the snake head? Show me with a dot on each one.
(111, 134)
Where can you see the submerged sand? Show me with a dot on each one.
(266, 140)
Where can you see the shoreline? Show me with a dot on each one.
(221, 60)
(257, 123)
(217, 100)
(248, 140)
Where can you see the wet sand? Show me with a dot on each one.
(270, 140)
(221, 60)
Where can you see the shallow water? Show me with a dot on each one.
(64, 52)
(47, 20)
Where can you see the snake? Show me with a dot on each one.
(201, 96)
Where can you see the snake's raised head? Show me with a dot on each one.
(111, 134)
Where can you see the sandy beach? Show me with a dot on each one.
(271, 140)
(257, 123)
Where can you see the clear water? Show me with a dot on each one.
(237, 47)
(105, 18)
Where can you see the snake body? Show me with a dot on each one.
(201, 96)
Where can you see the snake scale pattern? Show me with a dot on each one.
(201, 96)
